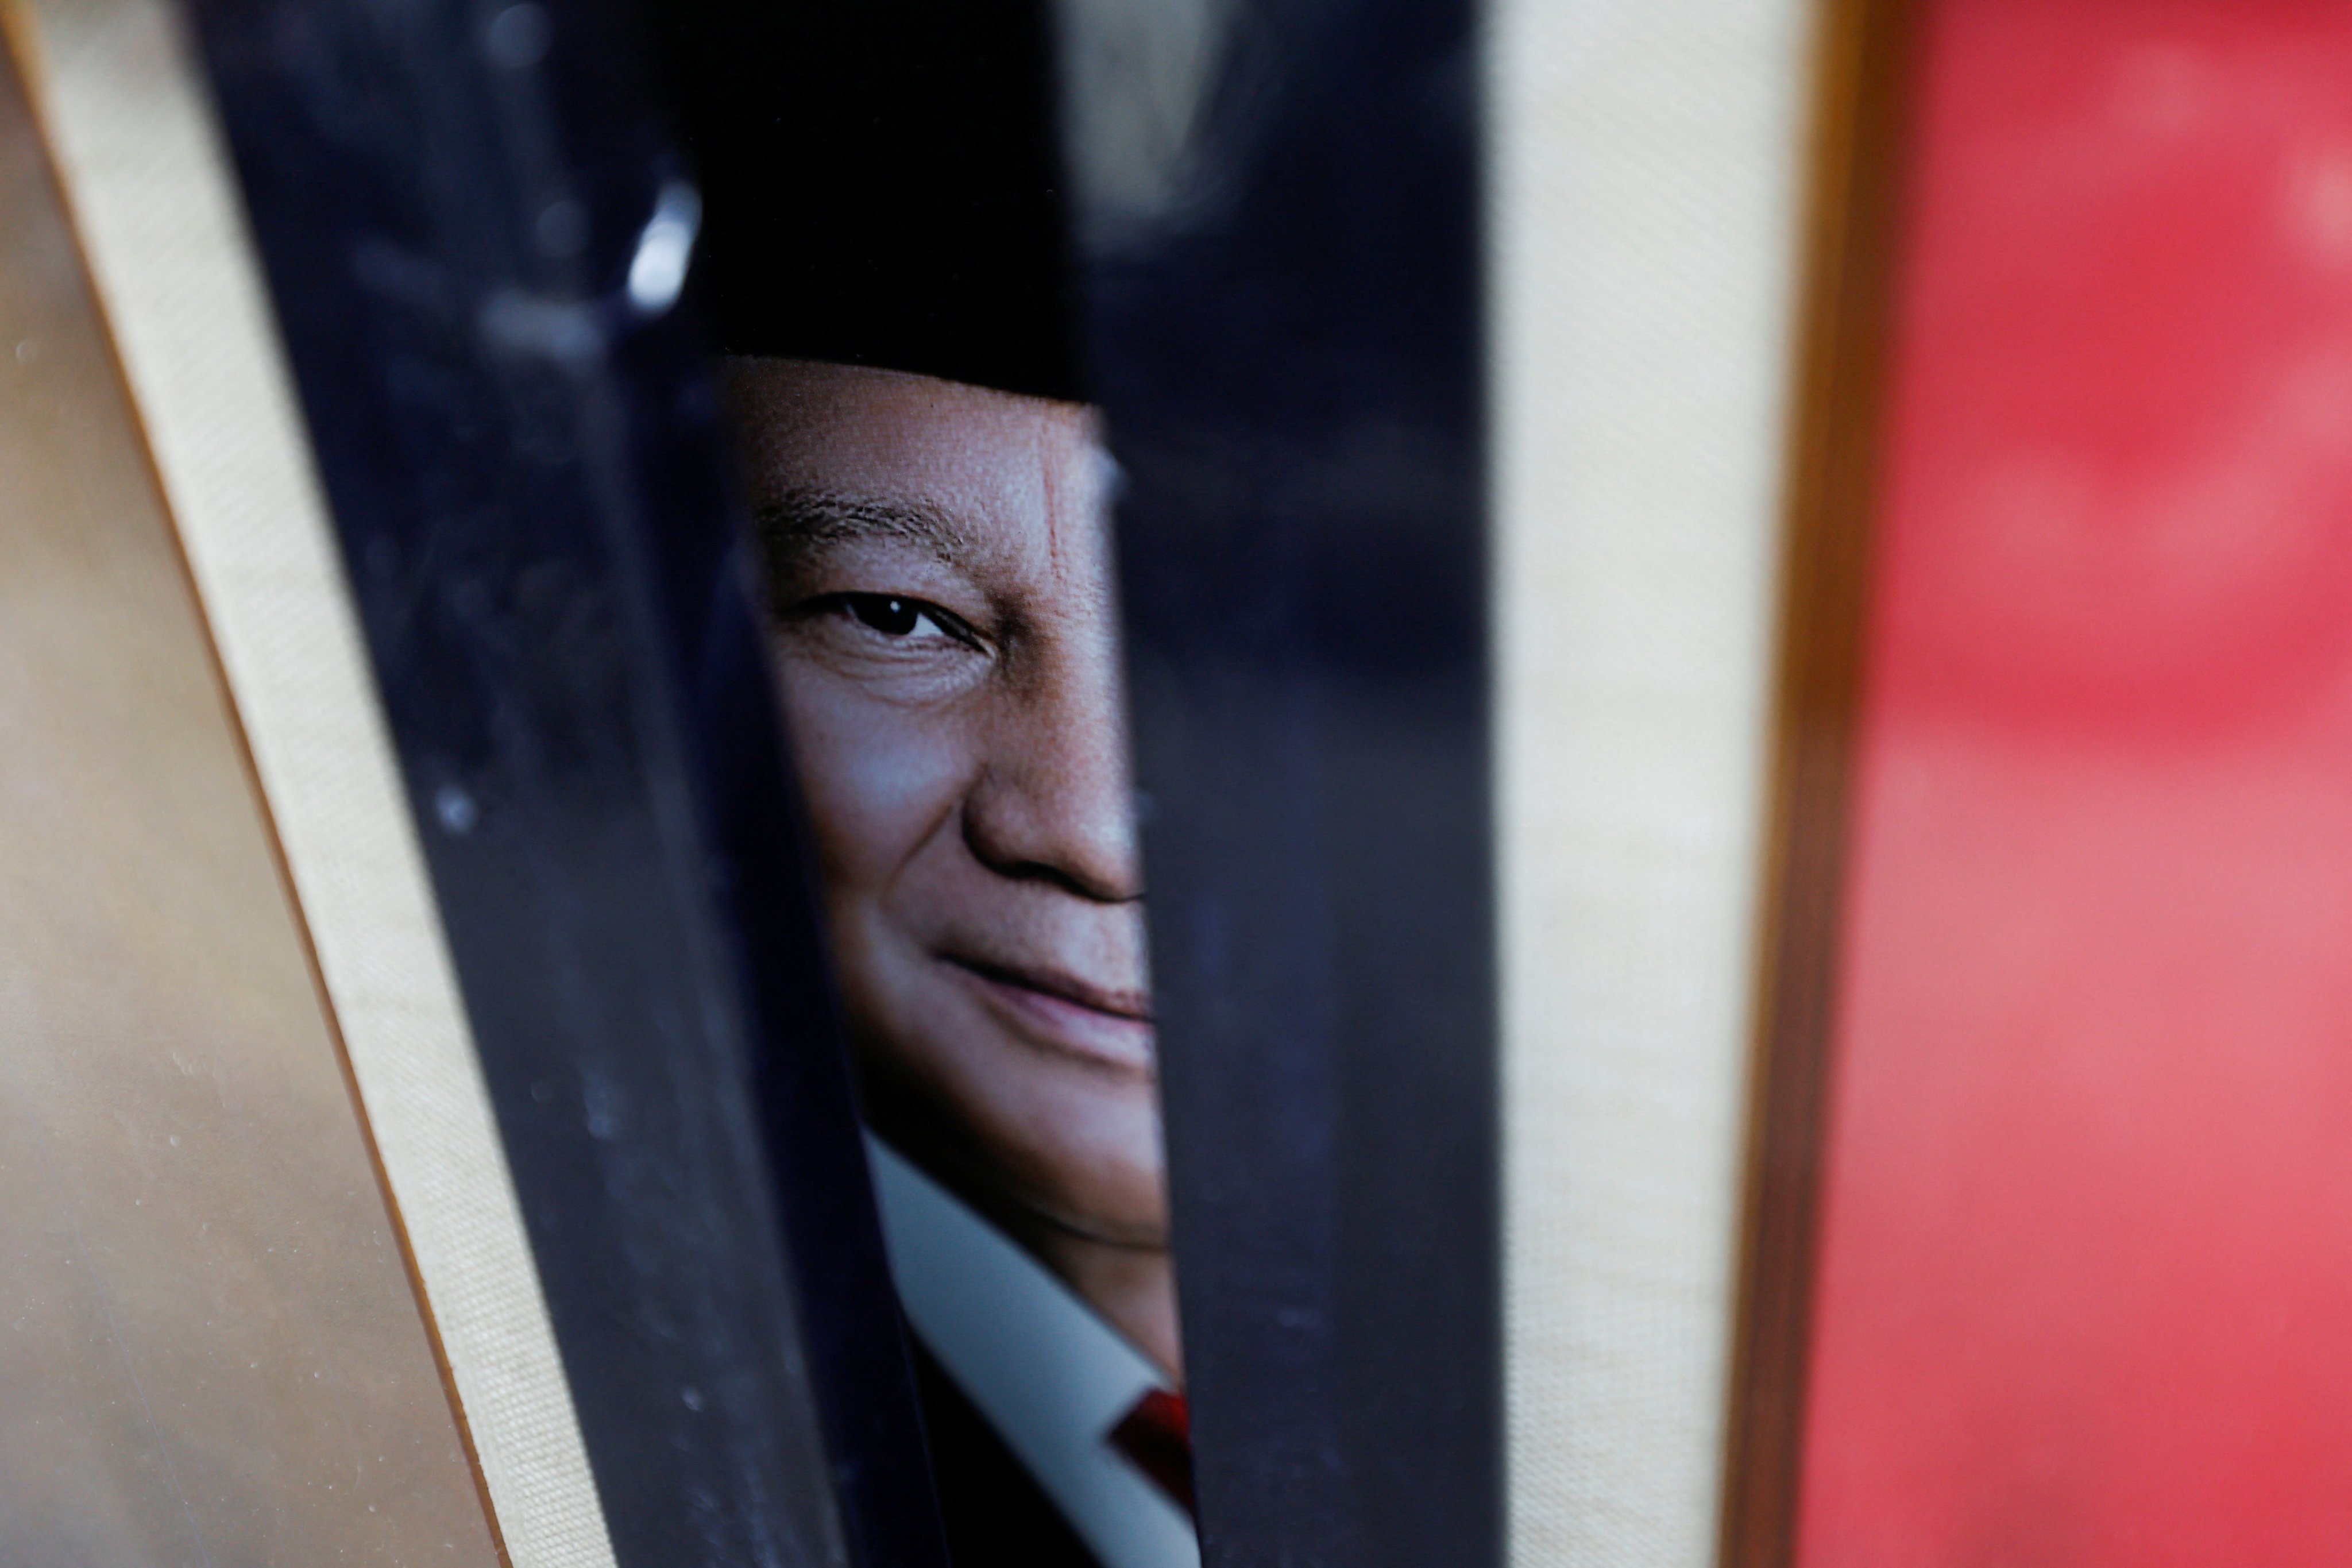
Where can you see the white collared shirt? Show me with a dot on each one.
(1049, 1374)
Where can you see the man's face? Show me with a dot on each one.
(946, 629)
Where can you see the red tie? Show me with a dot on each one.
(1157, 1435)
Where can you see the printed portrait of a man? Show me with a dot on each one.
(884, 264)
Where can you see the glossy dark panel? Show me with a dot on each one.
(1278, 212)
(472, 241)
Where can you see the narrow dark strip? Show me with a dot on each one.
(528, 478)
(1284, 322)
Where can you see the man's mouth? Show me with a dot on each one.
(1063, 1013)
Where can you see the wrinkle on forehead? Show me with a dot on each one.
(977, 480)
(1076, 497)
(802, 521)
(1049, 478)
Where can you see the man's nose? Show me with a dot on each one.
(1054, 798)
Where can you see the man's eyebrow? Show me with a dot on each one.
(798, 523)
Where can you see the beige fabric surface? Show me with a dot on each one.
(1644, 159)
(155, 202)
(210, 1348)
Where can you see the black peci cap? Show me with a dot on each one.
(880, 183)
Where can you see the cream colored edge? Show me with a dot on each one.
(152, 193)
(1642, 177)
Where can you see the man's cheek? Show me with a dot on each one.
(878, 779)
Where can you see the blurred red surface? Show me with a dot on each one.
(2084, 1292)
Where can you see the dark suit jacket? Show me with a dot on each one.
(997, 1516)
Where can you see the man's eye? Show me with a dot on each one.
(895, 617)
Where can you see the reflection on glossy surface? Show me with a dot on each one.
(2083, 1293)
(209, 1350)
(1283, 309)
